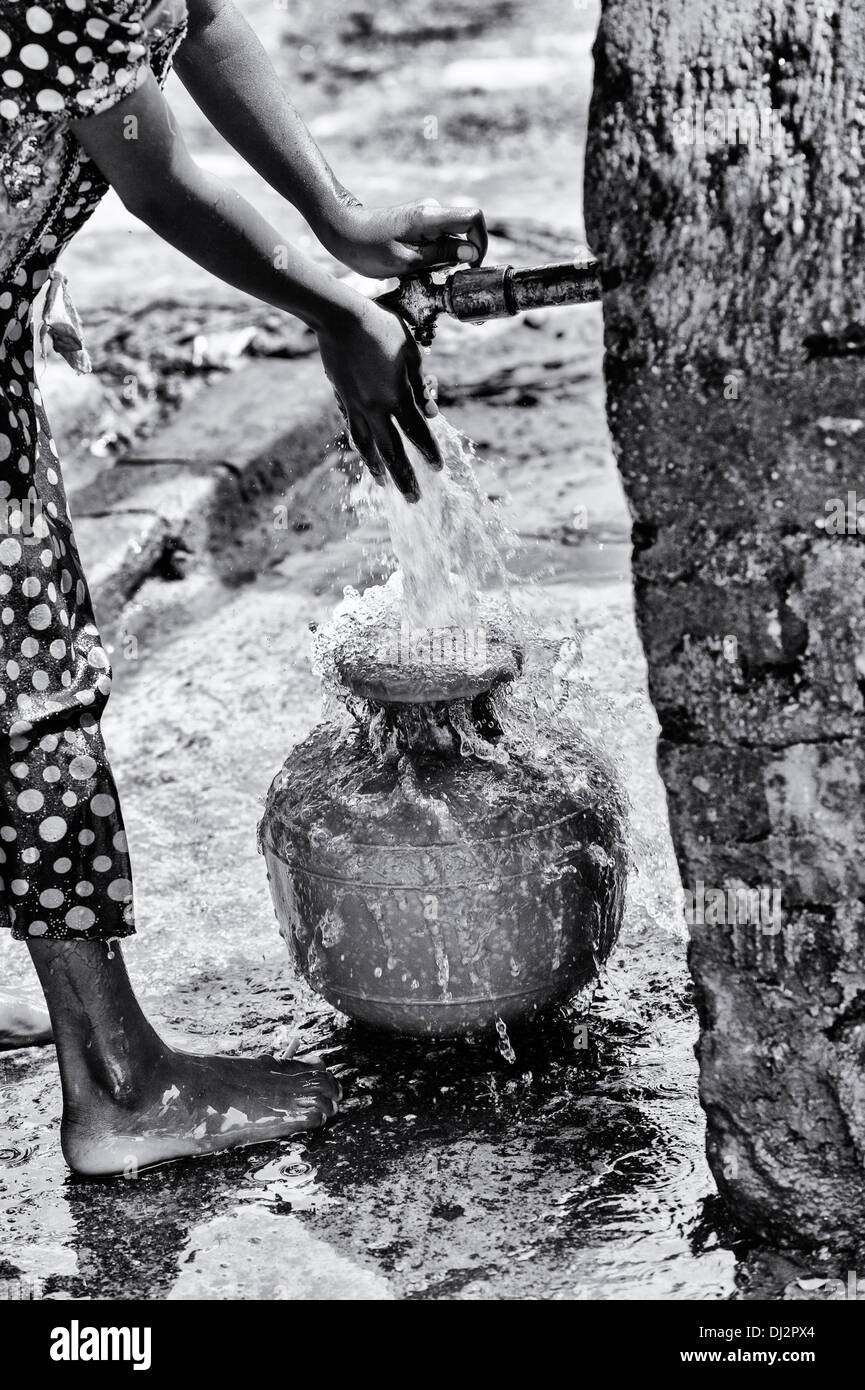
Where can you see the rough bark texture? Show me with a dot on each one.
(736, 399)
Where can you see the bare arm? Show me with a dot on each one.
(371, 361)
(159, 182)
(227, 72)
(230, 77)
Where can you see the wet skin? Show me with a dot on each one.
(130, 1101)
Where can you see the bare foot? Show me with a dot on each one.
(22, 1025)
(192, 1105)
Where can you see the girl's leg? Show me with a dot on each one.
(129, 1100)
(22, 1024)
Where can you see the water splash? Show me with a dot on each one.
(287, 1040)
(451, 544)
(452, 551)
(290, 1179)
(505, 1044)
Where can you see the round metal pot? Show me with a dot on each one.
(431, 895)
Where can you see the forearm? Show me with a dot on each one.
(218, 229)
(370, 358)
(215, 226)
(230, 77)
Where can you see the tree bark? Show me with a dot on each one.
(736, 400)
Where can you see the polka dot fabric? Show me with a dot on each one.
(61, 60)
(63, 853)
(64, 861)
(75, 58)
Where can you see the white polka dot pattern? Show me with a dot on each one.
(64, 856)
(57, 59)
(62, 60)
(64, 859)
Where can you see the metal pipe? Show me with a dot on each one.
(491, 292)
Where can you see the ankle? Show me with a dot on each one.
(108, 1052)
(119, 1072)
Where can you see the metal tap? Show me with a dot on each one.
(493, 292)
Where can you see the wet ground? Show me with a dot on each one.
(575, 1171)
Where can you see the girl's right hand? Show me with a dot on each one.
(368, 353)
(375, 368)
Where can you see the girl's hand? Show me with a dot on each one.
(381, 242)
(375, 368)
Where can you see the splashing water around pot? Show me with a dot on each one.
(447, 851)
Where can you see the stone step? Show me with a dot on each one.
(267, 423)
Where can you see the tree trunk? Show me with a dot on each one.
(736, 399)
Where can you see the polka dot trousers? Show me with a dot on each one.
(63, 852)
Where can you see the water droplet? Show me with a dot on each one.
(505, 1046)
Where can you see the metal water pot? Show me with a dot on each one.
(432, 893)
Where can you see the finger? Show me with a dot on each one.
(363, 441)
(431, 219)
(422, 387)
(414, 424)
(447, 250)
(404, 476)
(412, 355)
(392, 450)
(432, 223)
(402, 257)
(415, 386)
(478, 236)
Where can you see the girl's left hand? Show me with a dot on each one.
(380, 242)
